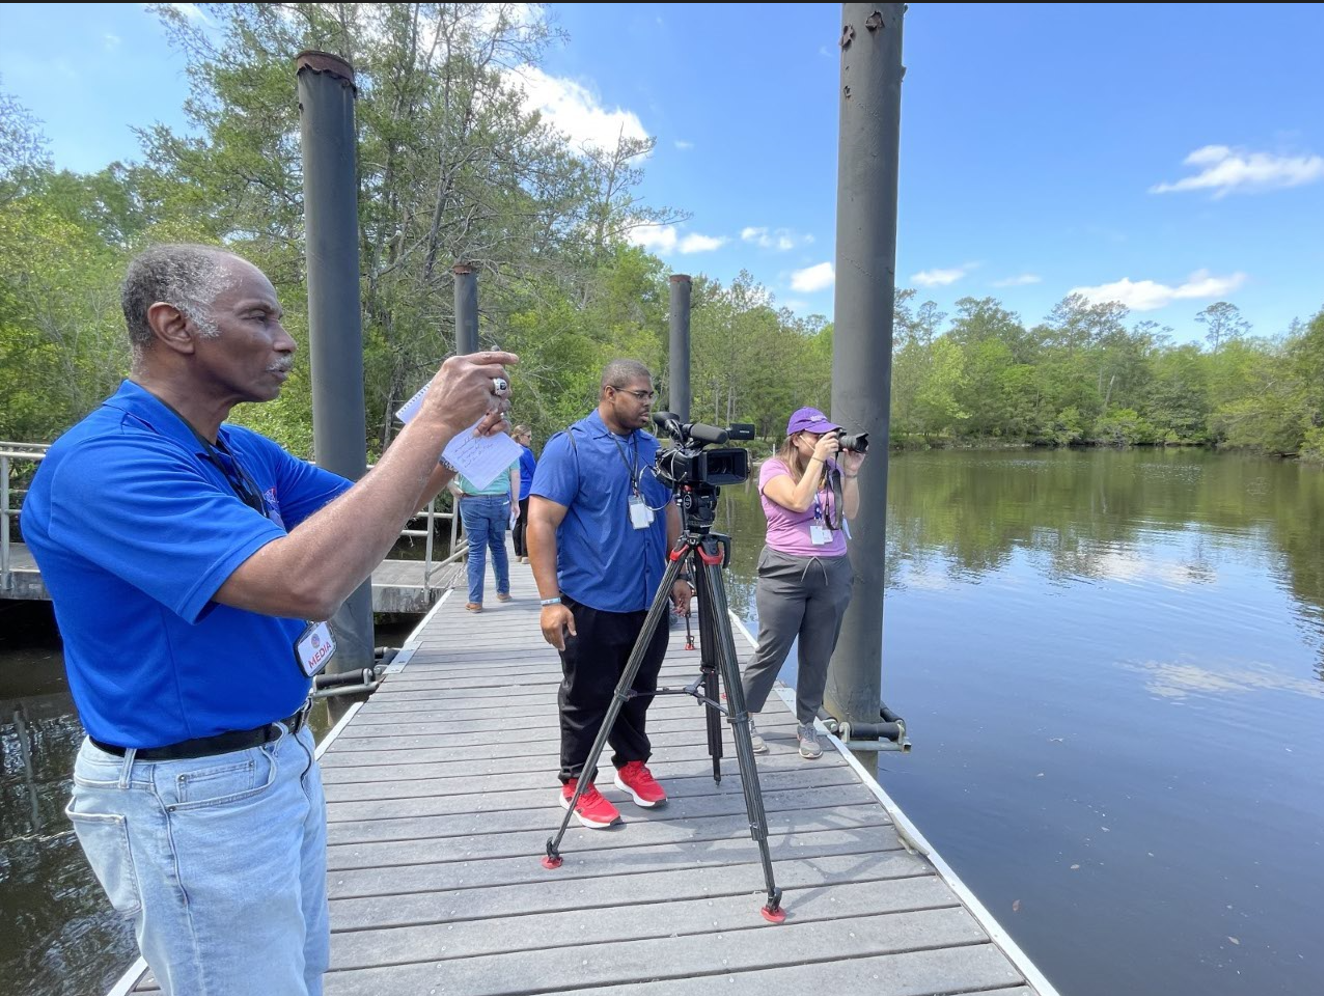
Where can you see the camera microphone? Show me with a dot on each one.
(669, 422)
(706, 433)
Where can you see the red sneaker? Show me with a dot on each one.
(636, 779)
(594, 810)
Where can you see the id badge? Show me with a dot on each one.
(641, 516)
(314, 648)
(820, 535)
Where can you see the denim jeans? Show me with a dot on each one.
(219, 862)
(485, 520)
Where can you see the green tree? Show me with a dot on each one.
(1224, 323)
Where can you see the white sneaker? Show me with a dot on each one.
(756, 739)
(809, 745)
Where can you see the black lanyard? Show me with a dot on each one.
(220, 456)
(833, 513)
(632, 471)
(241, 483)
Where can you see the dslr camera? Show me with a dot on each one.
(855, 442)
(687, 462)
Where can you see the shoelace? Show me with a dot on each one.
(588, 795)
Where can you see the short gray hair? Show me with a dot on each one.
(618, 373)
(187, 277)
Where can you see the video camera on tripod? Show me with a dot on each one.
(695, 474)
(688, 462)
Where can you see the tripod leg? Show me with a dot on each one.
(738, 716)
(708, 656)
(661, 604)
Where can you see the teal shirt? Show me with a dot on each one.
(500, 484)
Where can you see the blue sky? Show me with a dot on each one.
(1167, 156)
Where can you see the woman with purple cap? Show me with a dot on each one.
(804, 574)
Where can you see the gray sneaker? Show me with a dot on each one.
(809, 745)
(756, 738)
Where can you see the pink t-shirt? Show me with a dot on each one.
(788, 531)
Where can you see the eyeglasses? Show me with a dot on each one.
(641, 395)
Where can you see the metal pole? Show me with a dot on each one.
(679, 367)
(4, 523)
(466, 309)
(868, 161)
(335, 330)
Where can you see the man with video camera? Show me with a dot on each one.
(600, 526)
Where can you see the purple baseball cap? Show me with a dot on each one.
(810, 420)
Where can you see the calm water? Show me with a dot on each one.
(58, 935)
(1111, 666)
(1112, 669)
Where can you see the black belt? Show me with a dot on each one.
(221, 743)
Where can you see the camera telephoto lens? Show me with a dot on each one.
(857, 442)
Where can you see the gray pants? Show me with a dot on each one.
(804, 597)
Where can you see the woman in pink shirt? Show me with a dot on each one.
(804, 580)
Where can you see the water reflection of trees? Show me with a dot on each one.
(56, 928)
(1083, 514)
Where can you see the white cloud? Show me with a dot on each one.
(939, 278)
(664, 239)
(1226, 170)
(575, 111)
(782, 239)
(813, 278)
(111, 42)
(655, 238)
(1148, 295)
(1020, 281)
(192, 11)
(683, 145)
(695, 242)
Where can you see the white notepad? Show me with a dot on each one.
(479, 458)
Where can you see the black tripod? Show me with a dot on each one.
(704, 554)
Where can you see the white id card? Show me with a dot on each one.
(314, 648)
(641, 516)
(820, 535)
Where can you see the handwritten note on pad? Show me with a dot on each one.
(479, 458)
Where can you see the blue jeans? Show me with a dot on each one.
(219, 862)
(485, 520)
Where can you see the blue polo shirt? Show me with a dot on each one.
(134, 530)
(528, 463)
(602, 561)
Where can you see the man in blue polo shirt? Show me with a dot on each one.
(600, 527)
(185, 558)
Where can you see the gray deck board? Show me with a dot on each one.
(441, 794)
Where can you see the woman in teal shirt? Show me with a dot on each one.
(487, 513)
